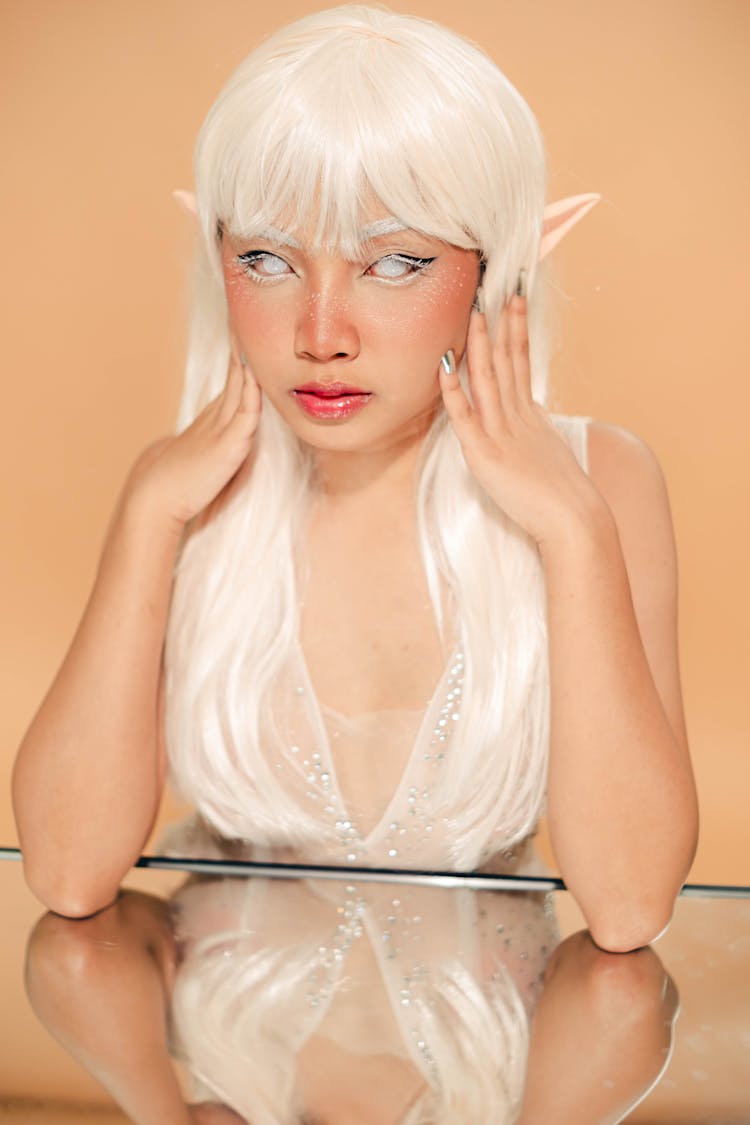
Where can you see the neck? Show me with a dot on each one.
(382, 473)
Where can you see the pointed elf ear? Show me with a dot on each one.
(559, 217)
(187, 201)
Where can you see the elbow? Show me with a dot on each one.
(624, 931)
(67, 895)
(638, 911)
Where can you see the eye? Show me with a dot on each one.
(397, 267)
(262, 265)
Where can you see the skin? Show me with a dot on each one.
(363, 322)
(600, 1037)
(120, 963)
(621, 800)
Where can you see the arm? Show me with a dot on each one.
(621, 798)
(89, 773)
(621, 801)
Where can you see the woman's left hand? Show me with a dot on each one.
(508, 440)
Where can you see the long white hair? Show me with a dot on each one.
(340, 107)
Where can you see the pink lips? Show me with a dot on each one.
(331, 400)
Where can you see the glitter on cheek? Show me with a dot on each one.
(434, 307)
(236, 284)
(439, 308)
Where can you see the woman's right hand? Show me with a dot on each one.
(178, 476)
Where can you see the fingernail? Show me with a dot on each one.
(478, 303)
(521, 284)
(449, 362)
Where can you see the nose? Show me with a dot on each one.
(325, 328)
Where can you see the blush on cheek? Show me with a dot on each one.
(235, 287)
(452, 295)
(248, 313)
(439, 308)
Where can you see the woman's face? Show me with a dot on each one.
(348, 351)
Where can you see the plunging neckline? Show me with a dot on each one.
(315, 711)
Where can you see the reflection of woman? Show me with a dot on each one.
(367, 502)
(284, 1014)
(295, 998)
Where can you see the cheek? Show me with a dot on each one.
(252, 317)
(438, 309)
(450, 300)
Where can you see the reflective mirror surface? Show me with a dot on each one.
(201, 998)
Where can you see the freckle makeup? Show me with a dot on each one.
(442, 299)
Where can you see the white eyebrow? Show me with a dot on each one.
(377, 229)
(380, 227)
(279, 238)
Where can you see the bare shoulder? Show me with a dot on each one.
(624, 468)
(628, 474)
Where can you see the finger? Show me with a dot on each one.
(465, 420)
(238, 435)
(502, 360)
(232, 442)
(237, 357)
(244, 422)
(519, 348)
(482, 378)
(251, 400)
(235, 348)
(232, 394)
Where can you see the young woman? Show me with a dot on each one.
(373, 604)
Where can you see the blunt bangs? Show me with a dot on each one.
(357, 119)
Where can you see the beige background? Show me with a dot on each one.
(646, 101)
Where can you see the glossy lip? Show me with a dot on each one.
(333, 401)
(329, 390)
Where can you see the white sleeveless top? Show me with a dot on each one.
(368, 777)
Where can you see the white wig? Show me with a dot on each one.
(341, 108)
